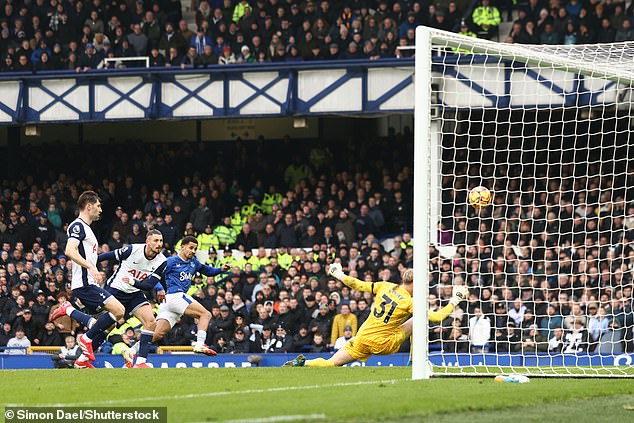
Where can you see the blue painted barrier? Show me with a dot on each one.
(43, 361)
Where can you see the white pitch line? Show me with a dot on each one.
(208, 394)
(276, 419)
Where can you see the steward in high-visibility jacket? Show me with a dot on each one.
(250, 208)
(239, 10)
(237, 220)
(188, 232)
(284, 259)
(248, 258)
(487, 17)
(207, 240)
(227, 257)
(464, 30)
(225, 233)
(197, 283)
(269, 199)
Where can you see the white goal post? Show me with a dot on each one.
(550, 263)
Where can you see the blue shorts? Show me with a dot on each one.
(92, 297)
(131, 301)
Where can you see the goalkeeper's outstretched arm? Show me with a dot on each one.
(460, 293)
(336, 272)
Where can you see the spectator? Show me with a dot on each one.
(303, 340)
(207, 58)
(625, 32)
(479, 331)
(170, 38)
(70, 352)
(138, 40)
(199, 41)
(239, 344)
(508, 339)
(343, 340)
(318, 345)
(18, 344)
(5, 334)
(576, 339)
(48, 336)
(598, 324)
(516, 313)
(534, 341)
(227, 57)
(282, 343)
(341, 321)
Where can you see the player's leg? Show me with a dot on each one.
(96, 297)
(342, 357)
(168, 314)
(407, 327)
(197, 311)
(407, 330)
(67, 309)
(161, 329)
(163, 326)
(144, 313)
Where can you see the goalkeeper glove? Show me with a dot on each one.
(460, 294)
(336, 271)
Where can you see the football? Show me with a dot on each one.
(480, 197)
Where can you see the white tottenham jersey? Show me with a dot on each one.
(81, 231)
(135, 265)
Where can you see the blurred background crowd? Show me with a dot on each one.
(42, 35)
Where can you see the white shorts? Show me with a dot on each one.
(174, 307)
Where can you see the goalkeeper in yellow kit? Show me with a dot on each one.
(389, 323)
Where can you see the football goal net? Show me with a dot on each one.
(549, 262)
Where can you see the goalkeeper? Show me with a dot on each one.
(389, 323)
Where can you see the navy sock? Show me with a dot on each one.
(80, 317)
(98, 340)
(145, 341)
(102, 324)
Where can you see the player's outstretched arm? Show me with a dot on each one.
(109, 256)
(213, 271)
(460, 293)
(155, 280)
(336, 272)
(119, 254)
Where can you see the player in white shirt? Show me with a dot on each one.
(140, 268)
(81, 248)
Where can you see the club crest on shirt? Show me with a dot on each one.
(76, 229)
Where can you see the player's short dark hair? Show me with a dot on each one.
(189, 239)
(152, 232)
(87, 197)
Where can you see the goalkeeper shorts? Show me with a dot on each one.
(362, 347)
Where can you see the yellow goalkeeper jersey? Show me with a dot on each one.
(391, 308)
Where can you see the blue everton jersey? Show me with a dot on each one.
(179, 273)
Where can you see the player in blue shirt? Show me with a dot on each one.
(177, 276)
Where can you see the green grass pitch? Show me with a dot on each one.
(330, 395)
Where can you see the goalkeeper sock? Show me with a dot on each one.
(319, 362)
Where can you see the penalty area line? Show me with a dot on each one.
(211, 394)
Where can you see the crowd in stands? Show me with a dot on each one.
(77, 35)
(547, 273)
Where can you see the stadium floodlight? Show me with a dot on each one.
(546, 129)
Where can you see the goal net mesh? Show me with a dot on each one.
(549, 262)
